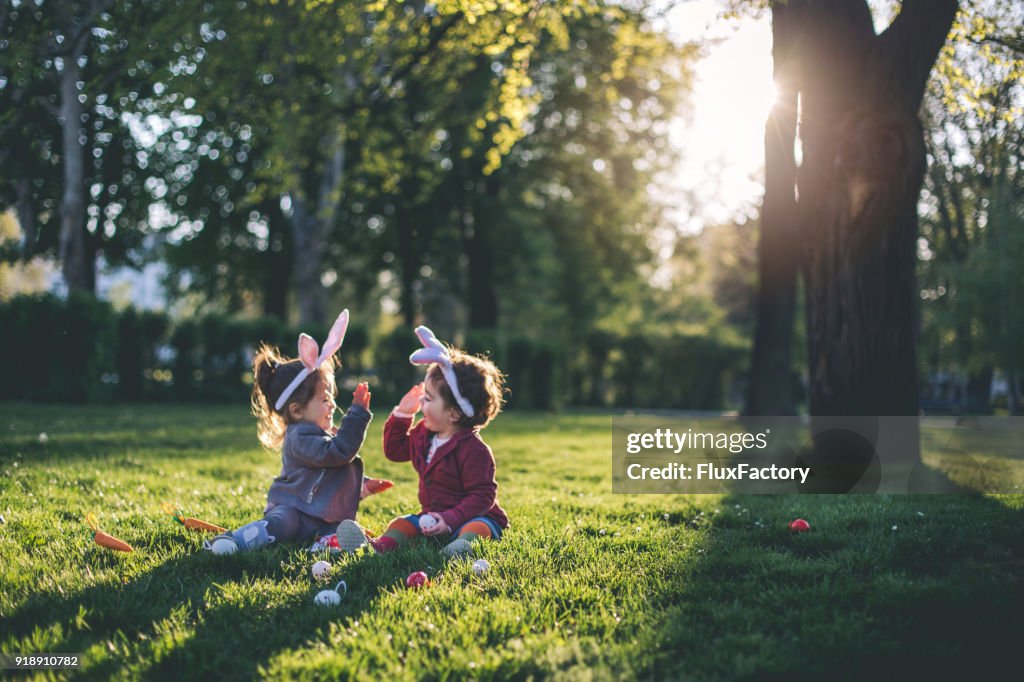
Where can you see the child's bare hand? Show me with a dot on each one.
(361, 396)
(438, 528)
(410, 402)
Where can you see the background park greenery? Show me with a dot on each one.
(501, 171)
(492, 170)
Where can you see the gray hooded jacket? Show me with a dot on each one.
(322, 475)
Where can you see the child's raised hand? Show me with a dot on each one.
(361, 396)
(410, 402)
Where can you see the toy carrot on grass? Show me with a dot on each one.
(190, 523)
(104, 540)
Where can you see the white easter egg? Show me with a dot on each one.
(427, 521)
(222, 546)
(481, 566)
(321, 570)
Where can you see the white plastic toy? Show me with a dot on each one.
(331, 597)
(481, 566)
(427, 521)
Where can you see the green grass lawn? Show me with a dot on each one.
(585, 584)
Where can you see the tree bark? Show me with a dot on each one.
(770, 391)
(409, 263)
(479, 249)
(277, 275)
(310, 228)
(72, 210)
(308, 238)
(864, 161)
(26, 210)
(857, 187)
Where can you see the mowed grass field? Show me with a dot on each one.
(585, 584)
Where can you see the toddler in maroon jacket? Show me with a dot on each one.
(462, 393)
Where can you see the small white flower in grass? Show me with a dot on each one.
(472, 664)
(920, 513)
(43, 438)
(665, 516)
(601, 532)
(895, 527)
(638, 529)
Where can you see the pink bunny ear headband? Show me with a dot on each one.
(312, 357)
(433, 351)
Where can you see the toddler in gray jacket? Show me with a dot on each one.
(321, 479)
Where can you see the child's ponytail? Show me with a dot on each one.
(271, 373)
(270, 426)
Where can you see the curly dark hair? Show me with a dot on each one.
(480, 382)
(272, 372)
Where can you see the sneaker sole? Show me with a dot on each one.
(458, 548)
(350, 536)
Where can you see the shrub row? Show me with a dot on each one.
(80, 349)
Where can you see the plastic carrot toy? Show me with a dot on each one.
(104, 540)
(190, 523)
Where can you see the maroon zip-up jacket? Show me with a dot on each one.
(459, 482)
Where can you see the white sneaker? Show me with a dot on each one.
(351, 536)
(458, 548)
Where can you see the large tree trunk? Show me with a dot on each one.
(858, 185)
(72, 210)
(770, 391)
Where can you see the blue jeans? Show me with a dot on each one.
(288, 524)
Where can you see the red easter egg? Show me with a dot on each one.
(416, 579)
(799, 526)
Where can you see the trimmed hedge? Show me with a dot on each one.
(80, 349)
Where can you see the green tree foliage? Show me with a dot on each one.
(71, 75)
(971, 231)
(328, 89)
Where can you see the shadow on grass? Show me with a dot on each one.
(882, 587)
(205, 617)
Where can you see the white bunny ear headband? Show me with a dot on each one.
(312, 357)
(433, 351)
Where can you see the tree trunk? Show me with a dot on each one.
(308, 256)
(310, 228)
(72, 211)
(408, 265)
(858, 185)
(278, 272)
(770, 391)
(25, 207)
(979, 391)
(479, 248)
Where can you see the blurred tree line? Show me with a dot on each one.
(972, 228)
(488, 168)
(485, 167)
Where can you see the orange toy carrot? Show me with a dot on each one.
(190, 523)
(103, 539)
